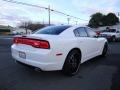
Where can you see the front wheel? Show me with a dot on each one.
(113, 39)
(105, 50)
(72, 63)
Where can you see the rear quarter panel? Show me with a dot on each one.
(62, 45)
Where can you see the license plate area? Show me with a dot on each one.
(22, 55)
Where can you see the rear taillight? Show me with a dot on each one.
(33, 42)
(98, 33)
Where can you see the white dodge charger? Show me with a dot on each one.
(59, 48)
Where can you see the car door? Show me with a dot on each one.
(84, 43)
(94, 42)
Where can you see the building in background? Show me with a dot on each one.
(8, 30)
(5, 30)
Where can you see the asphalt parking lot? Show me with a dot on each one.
(96, 74)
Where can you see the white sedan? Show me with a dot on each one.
(59, 48)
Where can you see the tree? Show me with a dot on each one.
(104, 21)
(112, 19)
(98, 19)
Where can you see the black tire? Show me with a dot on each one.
(105, 50)
(113, 39)
(118, 39)
(72, 63)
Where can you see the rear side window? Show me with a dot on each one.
(91, 32)
(80, 32)
(52, 30)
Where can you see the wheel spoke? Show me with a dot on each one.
(73, 61)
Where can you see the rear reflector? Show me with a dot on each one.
(33, 42)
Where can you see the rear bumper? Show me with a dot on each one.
(44, 60)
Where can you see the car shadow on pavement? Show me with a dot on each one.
(37, 72)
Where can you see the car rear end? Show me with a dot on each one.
(38, 50)
(108, 37)
(109, 34)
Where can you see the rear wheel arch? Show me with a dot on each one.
(72, 50)
(77, 50)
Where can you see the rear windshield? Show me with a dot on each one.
(52, 30)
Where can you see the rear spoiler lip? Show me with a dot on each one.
(29, 37)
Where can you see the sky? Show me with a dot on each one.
(14, 14)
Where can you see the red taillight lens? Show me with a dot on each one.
(17, 40)
(33, 42)
(98, 33)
